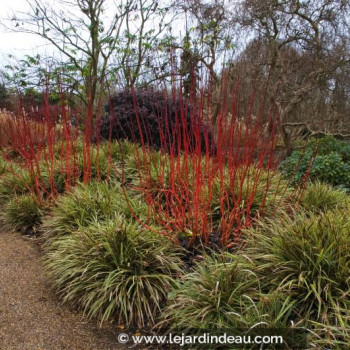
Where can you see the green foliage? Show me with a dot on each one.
(327, 168)
(271, 310)
(306, 258)
(215, 295)
(12, 183)
(332, 169)
(124, 154)
(296, 166)
(51, 180)
(119, 150)
(99, 166)
(325, 159)
(114, 270)
(261, 192)
(16, 180)
(88, 203)
(319, 196)
(3, 166)
(102, 164)
(20, 181)
(330, 144)
(222, 294)
(23, 213)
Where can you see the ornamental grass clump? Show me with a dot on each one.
(23, 213)
(222, 294)
(320, 197)
(119, 150)
(114, 270)
(123, 160)
(216, 294)
(3, 166)
(306, 258)
(100, 168)
(84, 204)
(15, 182)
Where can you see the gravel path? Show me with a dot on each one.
(31, 318)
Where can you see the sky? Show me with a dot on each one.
(17, 44)
(21, 44)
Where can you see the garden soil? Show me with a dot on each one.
(31, 317)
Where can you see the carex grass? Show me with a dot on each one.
(306, 259)
(114, 270)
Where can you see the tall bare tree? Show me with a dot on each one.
(315, 32)
(82, 33)
(208, 34)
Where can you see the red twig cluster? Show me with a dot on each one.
(215, 170)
